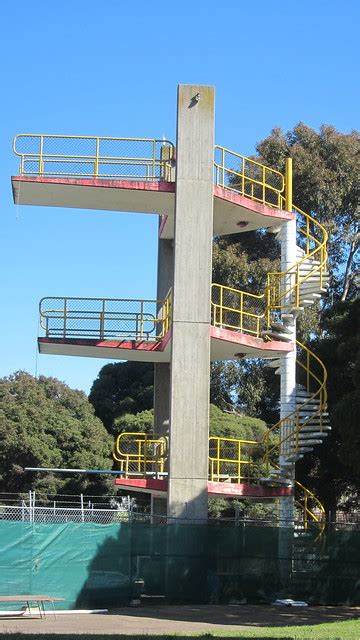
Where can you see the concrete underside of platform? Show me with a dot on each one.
(225, 345)
(158, 488)
(233, 213)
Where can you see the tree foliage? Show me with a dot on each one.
(122, 388)
(326, 185)
(333, 470)
(44, 423)
(326, 169)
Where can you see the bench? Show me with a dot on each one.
(39, 600)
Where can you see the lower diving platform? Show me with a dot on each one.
(158, 488)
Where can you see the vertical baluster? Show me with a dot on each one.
(96, 163)
(65, 318)
(221, 305)
(241, 311)
(263, 185)
(41, 158)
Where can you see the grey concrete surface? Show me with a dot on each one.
(189, 395)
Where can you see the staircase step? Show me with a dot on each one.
(310, 429)
(311, 290)
(281, 328)
(308, 414)
(308, 442)
(275, 335)
(274, 364)
(306, 303)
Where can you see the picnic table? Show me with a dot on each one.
(39, 600)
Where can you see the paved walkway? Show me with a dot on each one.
(178, 619)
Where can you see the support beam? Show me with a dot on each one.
(190, 359)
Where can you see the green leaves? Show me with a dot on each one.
(45, 423)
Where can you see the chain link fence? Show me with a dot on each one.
(237, 310)
(102, 318)
(94, 157)
(62, 509)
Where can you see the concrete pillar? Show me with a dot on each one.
(288, 364)
(190, 358)
(165, 281)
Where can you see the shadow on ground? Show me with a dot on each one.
(244, 615)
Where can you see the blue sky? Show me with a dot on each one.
(111, 69)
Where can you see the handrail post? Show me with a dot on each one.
(288, 184)
(65, 317)
(102, 321)
(41, 159)
(241, 311)
(96, 167)
(221, 305)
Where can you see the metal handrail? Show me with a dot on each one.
(153, 165)
(149, 455)
(63, 317)
(254, 180)
(221, 460)
(308, 514)
(246, 321)
(280, 293)
(294, 421)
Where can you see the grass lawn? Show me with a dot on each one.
(348, 630)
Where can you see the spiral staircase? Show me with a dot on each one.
(287, 295)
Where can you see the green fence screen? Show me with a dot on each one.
(93, 565)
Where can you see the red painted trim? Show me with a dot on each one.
(250, 341)
(247, 203)
(151, 484)
(247, 490)
(111, 344)
(143, 185)
(214, 488)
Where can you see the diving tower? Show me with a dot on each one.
(198, 190)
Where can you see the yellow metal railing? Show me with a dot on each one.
(284, 287)
(94, 157)
(287, 430)
(105, 318)
(237, 310)
(312, 509)
(248, 177)
(140, 454)
(143, 454)
(228, 457)
(230, 460)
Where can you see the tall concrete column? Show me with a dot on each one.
(288, 364)
(165, 281)
(190, 358)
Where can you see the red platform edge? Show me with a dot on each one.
(153, 485)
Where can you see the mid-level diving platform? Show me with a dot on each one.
(140, 330)
(233, 212)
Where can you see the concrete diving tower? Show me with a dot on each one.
(199, 191)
